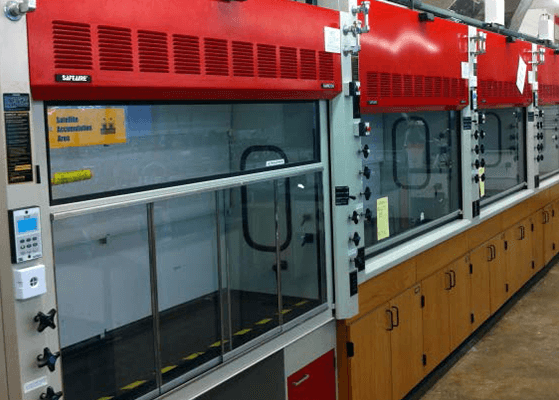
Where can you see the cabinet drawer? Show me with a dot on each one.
(316, 381)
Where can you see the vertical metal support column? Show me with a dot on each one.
(278, 253)
(532, 120)
(222, 304)
(154, 293)
(345, 167)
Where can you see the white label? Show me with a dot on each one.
(36, 384)
(332, 38)
(531, 77)
(465, 70)
(521, 74)
(273, 163)
(473, 81)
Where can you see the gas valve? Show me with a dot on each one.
(366, 172)
(354, 217)
(367, 193)
(356, 239)
(45, 321)
(48, 359)
(14, 10)
(366, 151)
(51, 394)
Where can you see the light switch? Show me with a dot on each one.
(29, 282)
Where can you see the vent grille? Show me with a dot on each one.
(288, 62)
(308, 64)
(386, 85)
(217, 56)
(492, 88)
(243, 59)
(154, 55)
(186, 51)
(267, 61)
(72, 45)
(115, 49)
(326, 66)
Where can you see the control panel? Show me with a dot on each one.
(25, 234)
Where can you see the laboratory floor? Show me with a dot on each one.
(518, 358)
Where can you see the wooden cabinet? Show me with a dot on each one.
(316, 381)
(519, 256)
(497, 262)
(537, 225)
(446, 311)
(406, 341)
(549, 225)
(370, 368)
(388, 349)
(480, 300)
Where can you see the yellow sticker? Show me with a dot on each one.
(133, 385)
(23, 167)
(263, 321)
(60, 178)
(383, 228)
(167, 369)
(243, 332)
(77, 127)
(481, 171)
(193, 356)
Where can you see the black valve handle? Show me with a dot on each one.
(366, 151)
(355, 217)
(366, 172)
(476, 149)
(482, 149)
(482, 163)
(367, 193)
(45, 321)
(48, 359)
(356, 239)
(369, 215)
(51, 394)
(476, 135)
(477, 164)
(482, 134)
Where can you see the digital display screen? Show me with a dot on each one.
(27, 225)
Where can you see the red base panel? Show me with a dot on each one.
(201, 49)
(409, 65)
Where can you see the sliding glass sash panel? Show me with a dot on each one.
(188, 284)
(412, 172)
(550, 162)
(503, 150)
(104, 304)
(100, 150)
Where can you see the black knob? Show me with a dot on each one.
(366, 172)
(482, 162)
(541, 157)
(355, 217)
(45, 321)
(476, 164)
(539, 147)
(482, 149)
(482, 134)
(356, 239)
(366, 151)
(476, 149)
(51, 394)
(476, 178)
(367, 193)
(483, 177)
(48, 359)
(360, 260)
(368, 215)
(476, 135)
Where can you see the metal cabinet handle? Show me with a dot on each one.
(449, 281)
(494, 252)
(545, 217)
(391, 319)
(303, 379)
(452, 278)
(395, 325)
(490, 256)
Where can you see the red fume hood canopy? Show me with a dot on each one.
(411, 65)
(548, 79)
(199, 50)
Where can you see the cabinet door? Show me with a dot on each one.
(316, 381)
(479, 283)
(549, 233)
(406, 342)
(538, 245)
(498, 272)
(515, 259)
(370, 368)
(436, 325)
(459, 302)
(526, 256)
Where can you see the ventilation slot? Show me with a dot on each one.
(154, 56)
(217, 57)
(308, 64)
(372, 85)
(326, 66)
(455, 88)
(243, 59)
(429, 86)
(115, 49)
(418, 90)
(438, 86)
(187, 54)
(446, 87)
(397, 85)
(408, 85)
(72, 45)
(385, 85)
(288, 62)
(267, 61)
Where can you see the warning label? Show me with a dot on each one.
(77, 127)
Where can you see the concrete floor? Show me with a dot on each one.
(517, 359)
